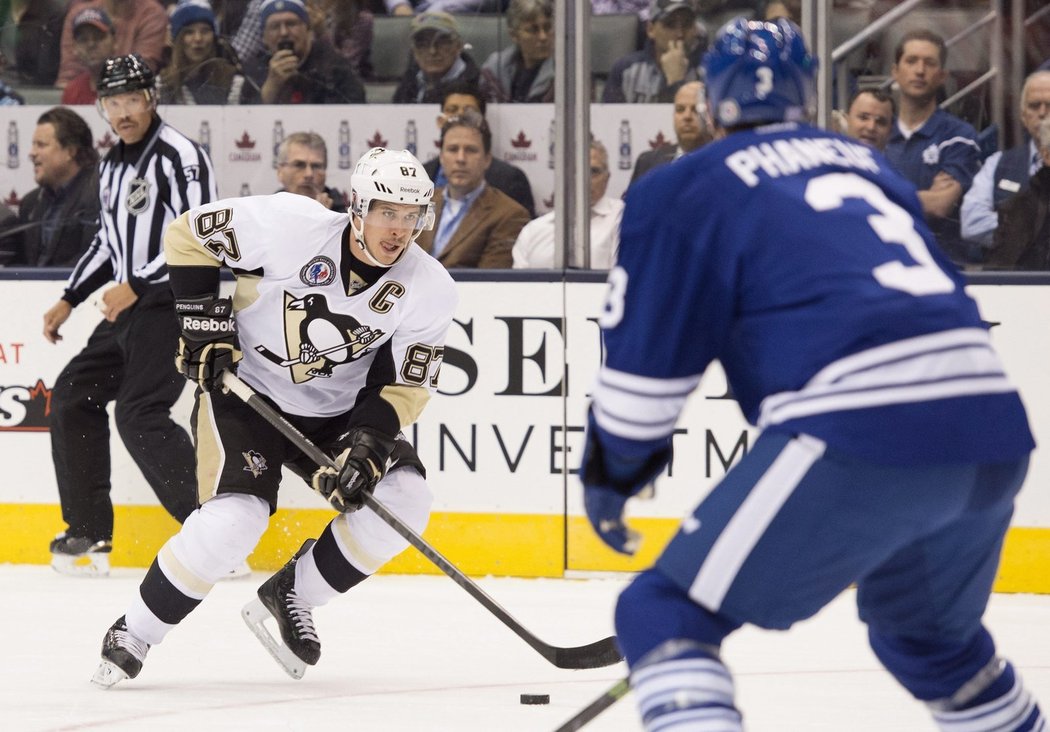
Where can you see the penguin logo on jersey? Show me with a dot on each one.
(318, 272)
(318, 340)
(137, 199)
(256, 463)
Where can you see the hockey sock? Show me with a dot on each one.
(671, 645)
(214, 539)
(324, 571)
(682, 685)
(1003, 705)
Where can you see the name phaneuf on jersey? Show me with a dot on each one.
(319, 339)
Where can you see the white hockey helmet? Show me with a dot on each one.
(395, 176)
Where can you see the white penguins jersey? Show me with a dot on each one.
(310, 341)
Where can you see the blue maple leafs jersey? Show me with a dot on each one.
(799, 260)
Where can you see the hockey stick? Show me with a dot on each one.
(614, 694)
(267, 353)
(593, 655)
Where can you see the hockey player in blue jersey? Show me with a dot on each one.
(799, 260)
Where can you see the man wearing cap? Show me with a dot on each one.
(94, 40)
(296, 67)
(438, 58)
(671, 56)
(139, 26)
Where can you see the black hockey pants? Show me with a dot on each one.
(131, 362)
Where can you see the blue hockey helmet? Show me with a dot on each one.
(759, 71)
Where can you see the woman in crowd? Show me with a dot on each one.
(204, 69)
(523, 72)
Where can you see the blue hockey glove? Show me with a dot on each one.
(361, 465)
(608, 481)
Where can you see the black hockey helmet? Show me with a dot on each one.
(121, 74)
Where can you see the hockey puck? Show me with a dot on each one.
(535, 698)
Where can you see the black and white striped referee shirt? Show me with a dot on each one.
(143, 187)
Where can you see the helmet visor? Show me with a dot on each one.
(400, 216)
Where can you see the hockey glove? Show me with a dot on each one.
(208, 345)
(359, 467)
(608, 481)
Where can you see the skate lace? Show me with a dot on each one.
(130, 643)
(301, 613)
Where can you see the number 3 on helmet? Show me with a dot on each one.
(759, 72)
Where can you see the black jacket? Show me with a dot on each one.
(324, 77)
(76, 223)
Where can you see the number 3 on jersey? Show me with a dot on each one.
(892, 224)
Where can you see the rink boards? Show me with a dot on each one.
(497, 442)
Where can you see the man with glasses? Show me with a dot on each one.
(302, 167)
(438, 59)
(1005, 174)
(296, 67)
(671, 56)
(147, 179)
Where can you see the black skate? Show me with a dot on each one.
(122, 656)
(79, 556)
(278, 600)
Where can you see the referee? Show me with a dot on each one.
(148, 179)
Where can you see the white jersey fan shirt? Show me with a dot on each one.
(311, 341)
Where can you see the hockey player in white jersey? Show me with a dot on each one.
(340, 322)
(892, 442)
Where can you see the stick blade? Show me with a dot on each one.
(593, 655)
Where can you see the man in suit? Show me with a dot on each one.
(476, 224)
(457, 97)
(691, 127)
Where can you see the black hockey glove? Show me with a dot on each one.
(359, 467)
(208, 344)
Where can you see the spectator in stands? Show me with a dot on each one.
(438, 57)
(349, 27)
(29, 32)
(141, 27)
(8, 221)
(456, 98)
(930, 147)
(790, 9)
(297, 67)
(534, 248)
(869, 117)
(1022, 239)
(524, 71)
(670, 58)
(8, 96)
(1005, 174)
(411, 7)
(302, 167)
(94, 41)
(204, 67)
(692, 129)
(475, 224)
(65, 204)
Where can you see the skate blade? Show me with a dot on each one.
(95, 564)
(108, 675)
(255, 614)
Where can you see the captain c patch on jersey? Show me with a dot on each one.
(319, 340)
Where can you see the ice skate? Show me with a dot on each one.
(122, 656)
(79, 556)
(278, 600)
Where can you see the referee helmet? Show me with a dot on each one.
(121, 74)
